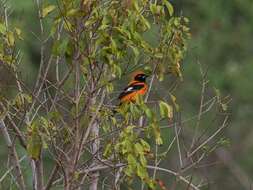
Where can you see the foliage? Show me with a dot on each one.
(69, 118)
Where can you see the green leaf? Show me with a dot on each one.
(10, 39)
(108, 150)
(47, 10)
(4, 111)
(186, 19)
(109, 87)
(145, 145)
(145, 22)
(142, 172)
(131, 161)
(21, 99)
(2, 28)
(135, 51)
(157, 134)
(34, 144)
(160, 9)
(129, 129)
(224, 106)
(138, 147)
(153, 8)
(128, 171)
(143, 160)
(151, 183)
(169, 7)
(165, 110)
(18, 33)
(72, 12)
(27, 97)
(60, 46)
(149, 113)
(159, 140)
(173, 98)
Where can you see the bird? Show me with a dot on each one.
(136, 87)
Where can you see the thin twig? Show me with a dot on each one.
(10, 170)
(180, 177)
(177, 127)
(209, 138)
(203, 89)
(13, 155)
(52, 176)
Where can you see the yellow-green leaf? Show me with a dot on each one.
(145, 22)
(173, 98)
(27, 97)
(18, 33)
(131, 161)
(159, 140)
(169, 7)
(165, 110)
(142, 172)
(2, 28)
(143, 160)
(109, 87)
(157, 134)
(145, 145)
(108, 150)
(138, 147)
(10, 38)
(153, 8)
(72, 12)
(47, 10)
(148, 113)
(34, 144)
(224, 107)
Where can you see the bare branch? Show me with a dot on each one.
(209, 138)
(13, 155)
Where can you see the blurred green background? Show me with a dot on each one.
(221, 41)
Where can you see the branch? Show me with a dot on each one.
(9, 170)
(52, 176)
(203, 89)
(95, 149)
(177, 127)
(175, 174)
(37, 170)
(13, 156)
(17, 131)
(209, 138)
(103, 167)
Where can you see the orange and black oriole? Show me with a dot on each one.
(137, 87)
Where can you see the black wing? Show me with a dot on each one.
(131, 88)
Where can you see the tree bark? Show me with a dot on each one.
(95, 153)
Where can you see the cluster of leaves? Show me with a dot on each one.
(40, 133)
(106, 40)
(131, 147)
(8, 39)
(132, 150)
(114, 31)
(105, 34)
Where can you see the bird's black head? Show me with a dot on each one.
(141, 77)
